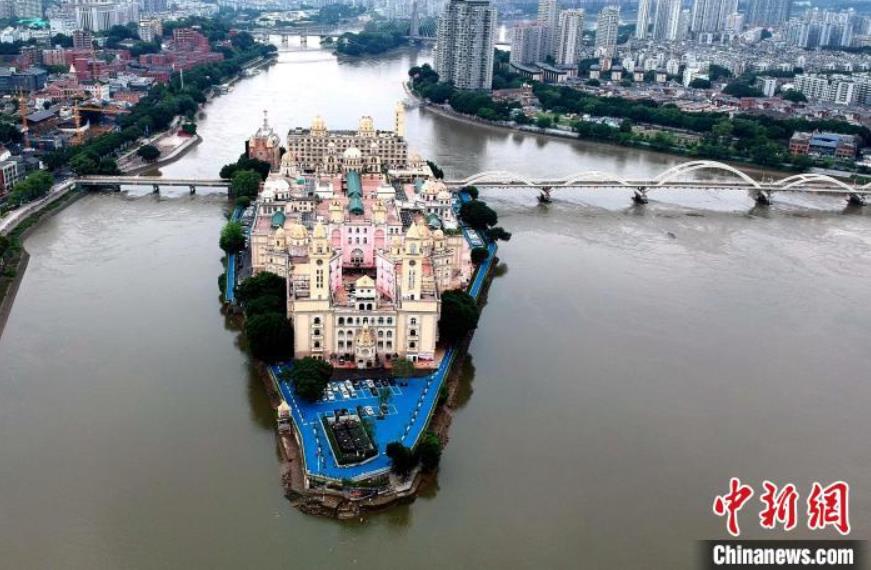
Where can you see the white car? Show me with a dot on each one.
(369, 411)
(349, 385)
(370, 383)
(345, 394)
(331, 396)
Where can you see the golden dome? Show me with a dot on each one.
(298, 232)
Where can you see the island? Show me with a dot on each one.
(360, 276)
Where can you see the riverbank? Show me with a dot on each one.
(559, 134)
(10, 279)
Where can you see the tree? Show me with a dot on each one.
(245, 183)
(403, 368)
(260, 285)
(265, 304)
(498, 233)
(83, 164)
(459, 315)
(148, 152)
(593, 82)
(472, 191)
(429, 451)
(626, 126)
(795, 96)
(232, 237)
(189, 128)
(700, 83)
(402, 459)
(270, 337)
(309, 377)
(479, 255)
(436, 171)
(478, 215)
(544, 122)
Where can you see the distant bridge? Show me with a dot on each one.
(154, 182)
(675, 177)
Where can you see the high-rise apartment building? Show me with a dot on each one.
(768, 12)
(710, 15)
(606, 30)
(642, 23)
(464, 48)
(570, 40)
(666, 20)
(527, 44)
(548, 19)
(27, 8)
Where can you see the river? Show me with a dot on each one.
(629, 361)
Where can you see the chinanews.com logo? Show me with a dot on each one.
(784, 508)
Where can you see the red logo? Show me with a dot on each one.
(732, 502)
(780, 507)
(828, 506)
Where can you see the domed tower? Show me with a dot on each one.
(352, 159)
(337, 213)
(265, 145)
(319, 252)
(298, 240)
(367, 127)
(379, 212)
(412, 258)
(364, 349)
(319, 127)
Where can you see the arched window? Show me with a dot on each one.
(412, 345)
(368, 306)
(341, 320)
(413, 332)
(380, 334)
(380, 320)
(341, 334)
(357, 256)
(413, 321)
(317, 332)
(389, 334)
(341, 344)
(317, 344)
(317, 320)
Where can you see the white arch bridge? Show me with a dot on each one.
(676, 177)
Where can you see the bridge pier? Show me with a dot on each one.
(640, 196)
(763, 198)
(855, 200)
(544, 197)
(155, 188)
(193, 189)
(303, 40)
(284, 39)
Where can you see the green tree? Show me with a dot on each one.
(402, 368)
(471, 191)
(148, 152)
(459, 315)
(232, 237)
(309, 377)
(245, 183)
(270, 336)
(436, 171)
(544, 122)
(479, 255)
(402, 459)
(497, 233)
(700, 83)
(265, 304)
(478, 214)
(795, 96)
(429, 451)
(261, 285)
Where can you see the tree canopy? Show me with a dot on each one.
(478, 215)
(402, 459)
(232, 237)
(459, 315)
(148, 152)
(245, 183)
(261, 285)
(270, 336)
(309, 377)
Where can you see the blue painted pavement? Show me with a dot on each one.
(230, 288)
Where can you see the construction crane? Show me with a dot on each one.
(77, 117)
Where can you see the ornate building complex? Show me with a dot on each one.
(366, 238)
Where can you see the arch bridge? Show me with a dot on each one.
(680, 177)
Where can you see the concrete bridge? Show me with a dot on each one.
(676, 177)
(155, 182)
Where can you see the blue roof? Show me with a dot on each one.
(355, 204)
(278, 219)
(355, 184)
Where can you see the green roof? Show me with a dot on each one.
(355, 205)
(278, 219)
(355, 184)
(433, 221)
